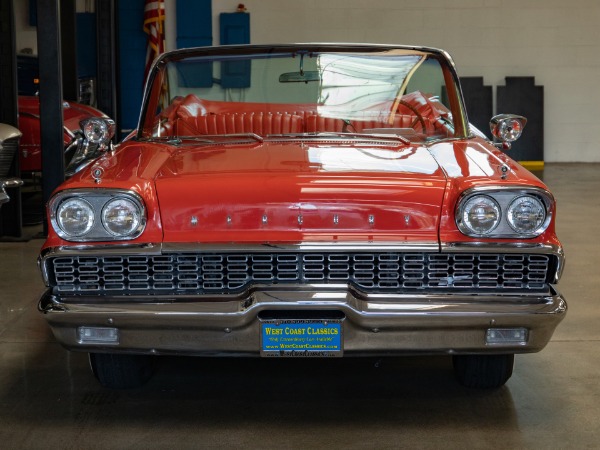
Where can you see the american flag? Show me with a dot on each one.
(154, 27)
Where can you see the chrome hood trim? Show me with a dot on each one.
(309, 246)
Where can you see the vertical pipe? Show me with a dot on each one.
(10, 214)
(68, 50)
(51, 108)
(107, 59)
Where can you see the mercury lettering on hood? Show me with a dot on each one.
(293, 192)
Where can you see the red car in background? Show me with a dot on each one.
(30, 152)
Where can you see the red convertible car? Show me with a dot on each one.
(303, 200)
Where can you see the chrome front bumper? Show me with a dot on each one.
(373, 325)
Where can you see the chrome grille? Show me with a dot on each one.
(8, 148)
(188, 273)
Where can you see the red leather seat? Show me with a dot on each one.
(234, 123)
(316, 123)
(191, 116)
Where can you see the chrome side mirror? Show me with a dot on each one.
(89, 143)
(98, 130)
(507, 128)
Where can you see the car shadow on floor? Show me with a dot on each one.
(250, 396)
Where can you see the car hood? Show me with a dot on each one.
(299, 192)
(73, 112)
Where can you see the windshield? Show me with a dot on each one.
(302, 93)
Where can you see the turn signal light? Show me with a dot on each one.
(98, 335)
(513, 336)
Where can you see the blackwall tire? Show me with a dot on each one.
(483, 371)
(118, 371)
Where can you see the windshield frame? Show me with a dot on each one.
(454, 91)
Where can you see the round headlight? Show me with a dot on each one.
(75, 217)
(526, 214)
(121, 217)
(480, 215)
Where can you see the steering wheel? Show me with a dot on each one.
(419, 118)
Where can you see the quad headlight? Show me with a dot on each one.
(121, 216)
(504, 212)
(97, 215)
(480, 214)
(526, 214)
(75, 217)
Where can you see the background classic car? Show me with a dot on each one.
(29, 117)
(303, 200)
(9, 141)
(30, 151)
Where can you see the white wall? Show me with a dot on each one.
(556, 41)
(26, 35)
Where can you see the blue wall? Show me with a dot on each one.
(194, 28)
(235, 29)
(194, 23)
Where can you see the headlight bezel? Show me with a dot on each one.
(97, 199)
(505, 196)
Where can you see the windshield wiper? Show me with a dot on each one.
(174, 140)
(209, 139)
(214, 138)
(389, 137)
(341, 135)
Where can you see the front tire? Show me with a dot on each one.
(483, 371)
(117, 371)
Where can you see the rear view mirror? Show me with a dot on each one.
(299, 77)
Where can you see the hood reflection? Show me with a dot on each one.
(336, 159)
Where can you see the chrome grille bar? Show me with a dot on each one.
(7, 155)
(189, 273)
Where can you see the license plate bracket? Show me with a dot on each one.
(316, 338)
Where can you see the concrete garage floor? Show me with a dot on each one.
(49, 398)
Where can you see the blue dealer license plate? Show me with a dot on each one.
(312, 338)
